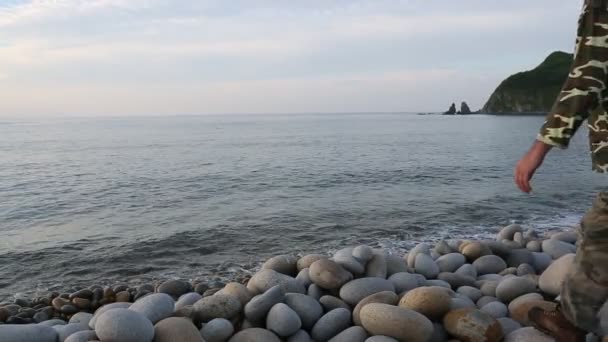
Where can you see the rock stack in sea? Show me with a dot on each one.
(456, 290)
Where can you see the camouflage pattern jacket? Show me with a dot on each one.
(584, 94)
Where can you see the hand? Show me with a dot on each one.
(528, 165)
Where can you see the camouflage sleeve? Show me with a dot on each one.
(582, 90)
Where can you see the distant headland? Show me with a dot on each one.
(527, 92)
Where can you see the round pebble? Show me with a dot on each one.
(404, 281)
(385, 297)
(124, 325)
(300, 336)
(155, 307)
(105, 308)
(552, 278)
(239, 291)
(254, 335)
(355, 290)
(426, 266)
(176, 329)
(216, 306)
(282, 320)
(495, 309)
(258, 307)
(352, 334)
(489, 264)
(513, 287)
(266, 279)
(527, 334)
(331, 324)
(285, 264)
(433, 302)
(472, 325)
(396, 322)
(217, 330)
(307, 260)
(377, 266)
(330, 303)
(450, 262)
(328, 274)
(363, 253)
(174, 288)
(187, 299)
(307, 308)
(27, 333)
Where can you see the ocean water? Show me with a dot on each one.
(86, 201)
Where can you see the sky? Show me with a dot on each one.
(180, 57)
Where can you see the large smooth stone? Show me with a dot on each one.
(82, 336)
(217, 306)
(485, 300)
(331, 324)
(264, 280)
(395, 264)
(508, 325)
(176, 329)
(426, 266)
(217, 330)
(352, 334)
(330, 303)
(508, 232)
(472, 325)
(285, 264)
(513, 287)
(124, 325)
(495, 309)
(307, 260)
(541, 261)
(472, 293)
(456, 280)
(433, 302)
(553, 277)
(308, 309)
(474, 250)
(489, 264)
(534, 246)
(282, 320)
(155, 307)
(450, 262)
(187, 299)
(556, 249)
(418, 249)
(254, 335)
(520, 256)
(498, 248)
(27, 333)
(363, 253)
(81, 317)
(300, 336)
(404, 281)
(355, 290)
(258, 307)
(328, 274)
(174, 288)
(396, 322)
(105, 308)
(567, 236)
(527, 334)
(380, 338)
(385, 297)
(443, 248)
(377, 266)
(467, 270)
(240, 291)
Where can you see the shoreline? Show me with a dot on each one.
(348, 294)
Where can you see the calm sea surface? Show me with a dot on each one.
(86, 201)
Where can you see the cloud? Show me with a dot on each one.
(371, 52)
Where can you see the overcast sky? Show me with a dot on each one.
(143, 57)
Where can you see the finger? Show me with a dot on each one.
(526, 182)
(518, 181)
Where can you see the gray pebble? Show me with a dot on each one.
(259, 306)
(282, 320)
(187, 299)
(352, 334)
(124, 325)
(308, 309)
(331, 324)
(355, 290)
(217, 330)
(330, 303)
(155, 307)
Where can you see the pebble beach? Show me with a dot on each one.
(453, 290)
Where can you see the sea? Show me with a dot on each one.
(88, 201)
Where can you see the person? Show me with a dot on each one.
(584, 96)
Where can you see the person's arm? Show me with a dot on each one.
(580, 94)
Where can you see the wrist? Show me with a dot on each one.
(540, 149)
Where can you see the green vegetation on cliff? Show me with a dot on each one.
(531, 91)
